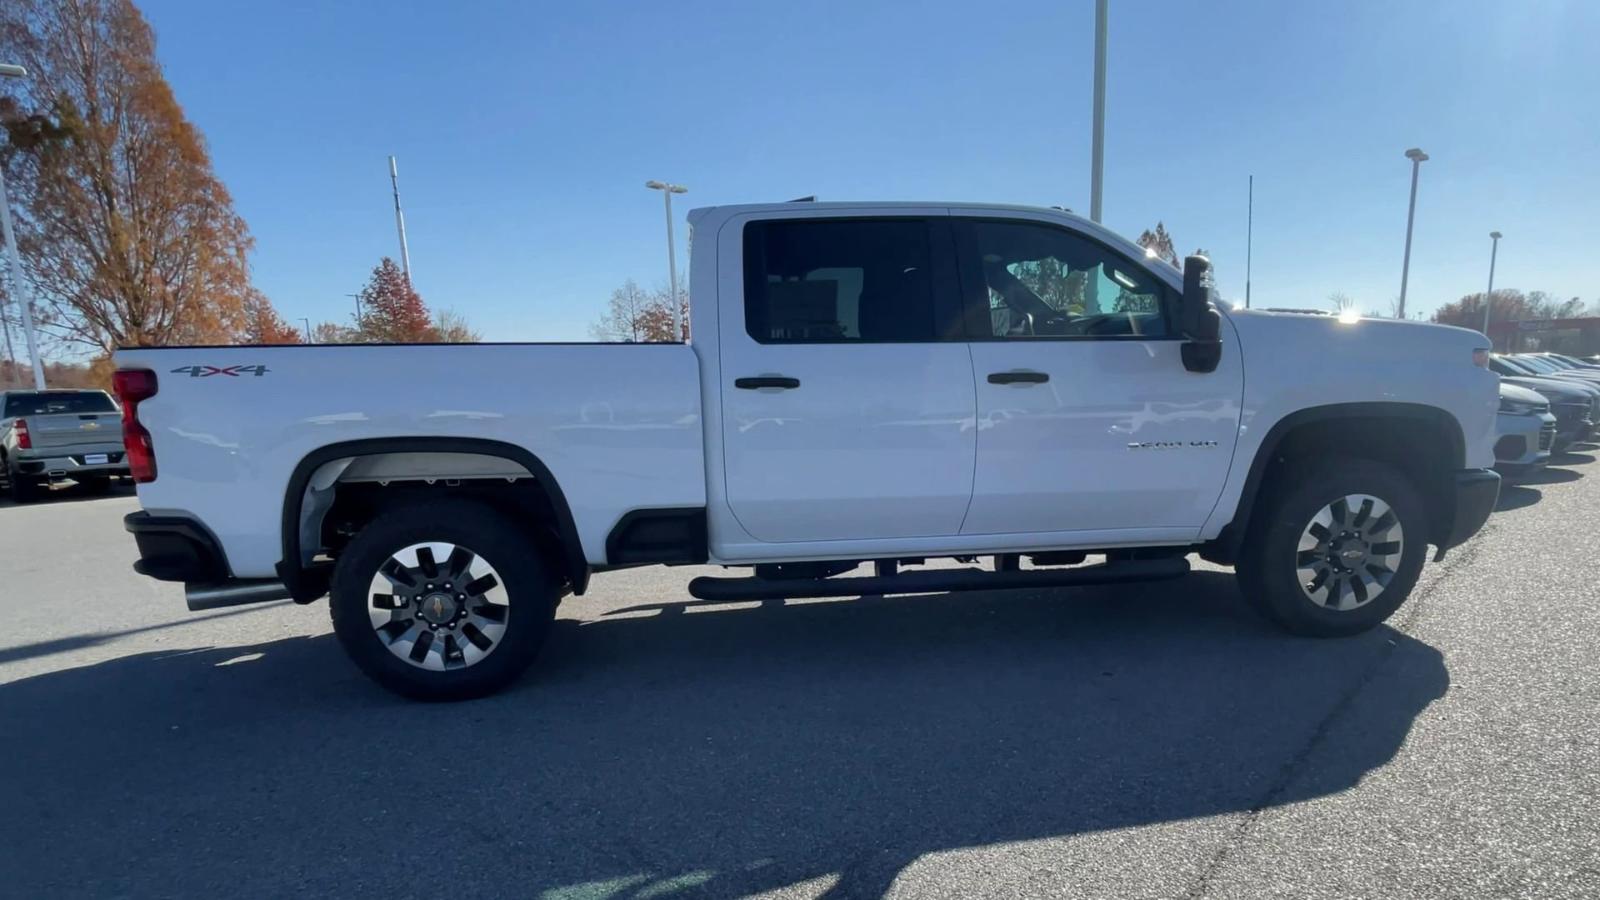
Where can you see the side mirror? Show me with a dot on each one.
(1198, 317)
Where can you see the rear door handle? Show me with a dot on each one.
(756, 383)
(1018, 377)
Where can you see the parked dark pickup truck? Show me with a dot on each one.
(50, 435)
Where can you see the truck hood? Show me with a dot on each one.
(1569, 391)
(1373, 337)
(1521, 395)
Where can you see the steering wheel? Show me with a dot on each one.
(1022, 323)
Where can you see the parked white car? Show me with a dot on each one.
(867, 382)
(1527, 431)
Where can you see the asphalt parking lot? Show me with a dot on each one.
(1154, 741)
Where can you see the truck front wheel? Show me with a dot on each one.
(1336, 551)
(443, 602)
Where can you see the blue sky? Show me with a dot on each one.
(525, 132)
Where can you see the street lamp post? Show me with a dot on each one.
(1494, 250)
(1417, 158)
(1097, 159)
(18, 284)
(667, 190)
(308, 328)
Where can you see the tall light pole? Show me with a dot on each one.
(1249, 233)
(1494, 250)
(11, 356)
(1417, 158)
(400, 220)
(667, 190)
(308, 328)
(1097, 163)
(19, 284)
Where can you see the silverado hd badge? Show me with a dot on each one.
(1169, 445)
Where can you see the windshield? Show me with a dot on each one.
(1557, 361)
(1506, 366)
(50, 403)
(1535, 364)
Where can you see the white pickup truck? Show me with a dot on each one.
(867, 382)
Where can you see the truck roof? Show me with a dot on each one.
(805, 207)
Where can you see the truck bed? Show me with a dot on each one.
(230, 424)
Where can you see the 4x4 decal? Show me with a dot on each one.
(208, 371)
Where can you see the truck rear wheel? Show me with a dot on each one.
(443, 602)
(20, 488)
(1336, 552)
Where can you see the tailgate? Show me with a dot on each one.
(73, 429)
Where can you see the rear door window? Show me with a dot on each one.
(840, 281)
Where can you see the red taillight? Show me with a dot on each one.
(132, 386)
(20, 429)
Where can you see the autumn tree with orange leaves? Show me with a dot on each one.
(392, 312)
(128, 236)
(635, 316)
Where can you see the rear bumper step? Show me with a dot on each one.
(712, 588)
(176, 548)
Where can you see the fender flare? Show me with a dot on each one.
(1232, 535)
(305, 588)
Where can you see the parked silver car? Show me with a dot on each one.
(50, 435)
(1575, 404)
(1526, 431)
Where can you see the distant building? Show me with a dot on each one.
(1575, 337)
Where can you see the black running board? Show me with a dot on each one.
(936, 580)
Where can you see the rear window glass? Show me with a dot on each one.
(53, 402)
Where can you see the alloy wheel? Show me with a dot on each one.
(438, 606)
(1349, 552)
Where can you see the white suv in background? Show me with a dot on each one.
(1526, 431)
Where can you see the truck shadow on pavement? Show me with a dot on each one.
(696, 751)
(1516, 496)
(1550, 475)
(71, 493)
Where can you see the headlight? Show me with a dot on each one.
(1519, 408)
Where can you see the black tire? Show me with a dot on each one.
(21, 488)
(96, 484)
(1269, 561)
(531, 588)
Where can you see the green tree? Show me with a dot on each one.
(1160, 242)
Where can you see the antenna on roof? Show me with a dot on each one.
(810, 198)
